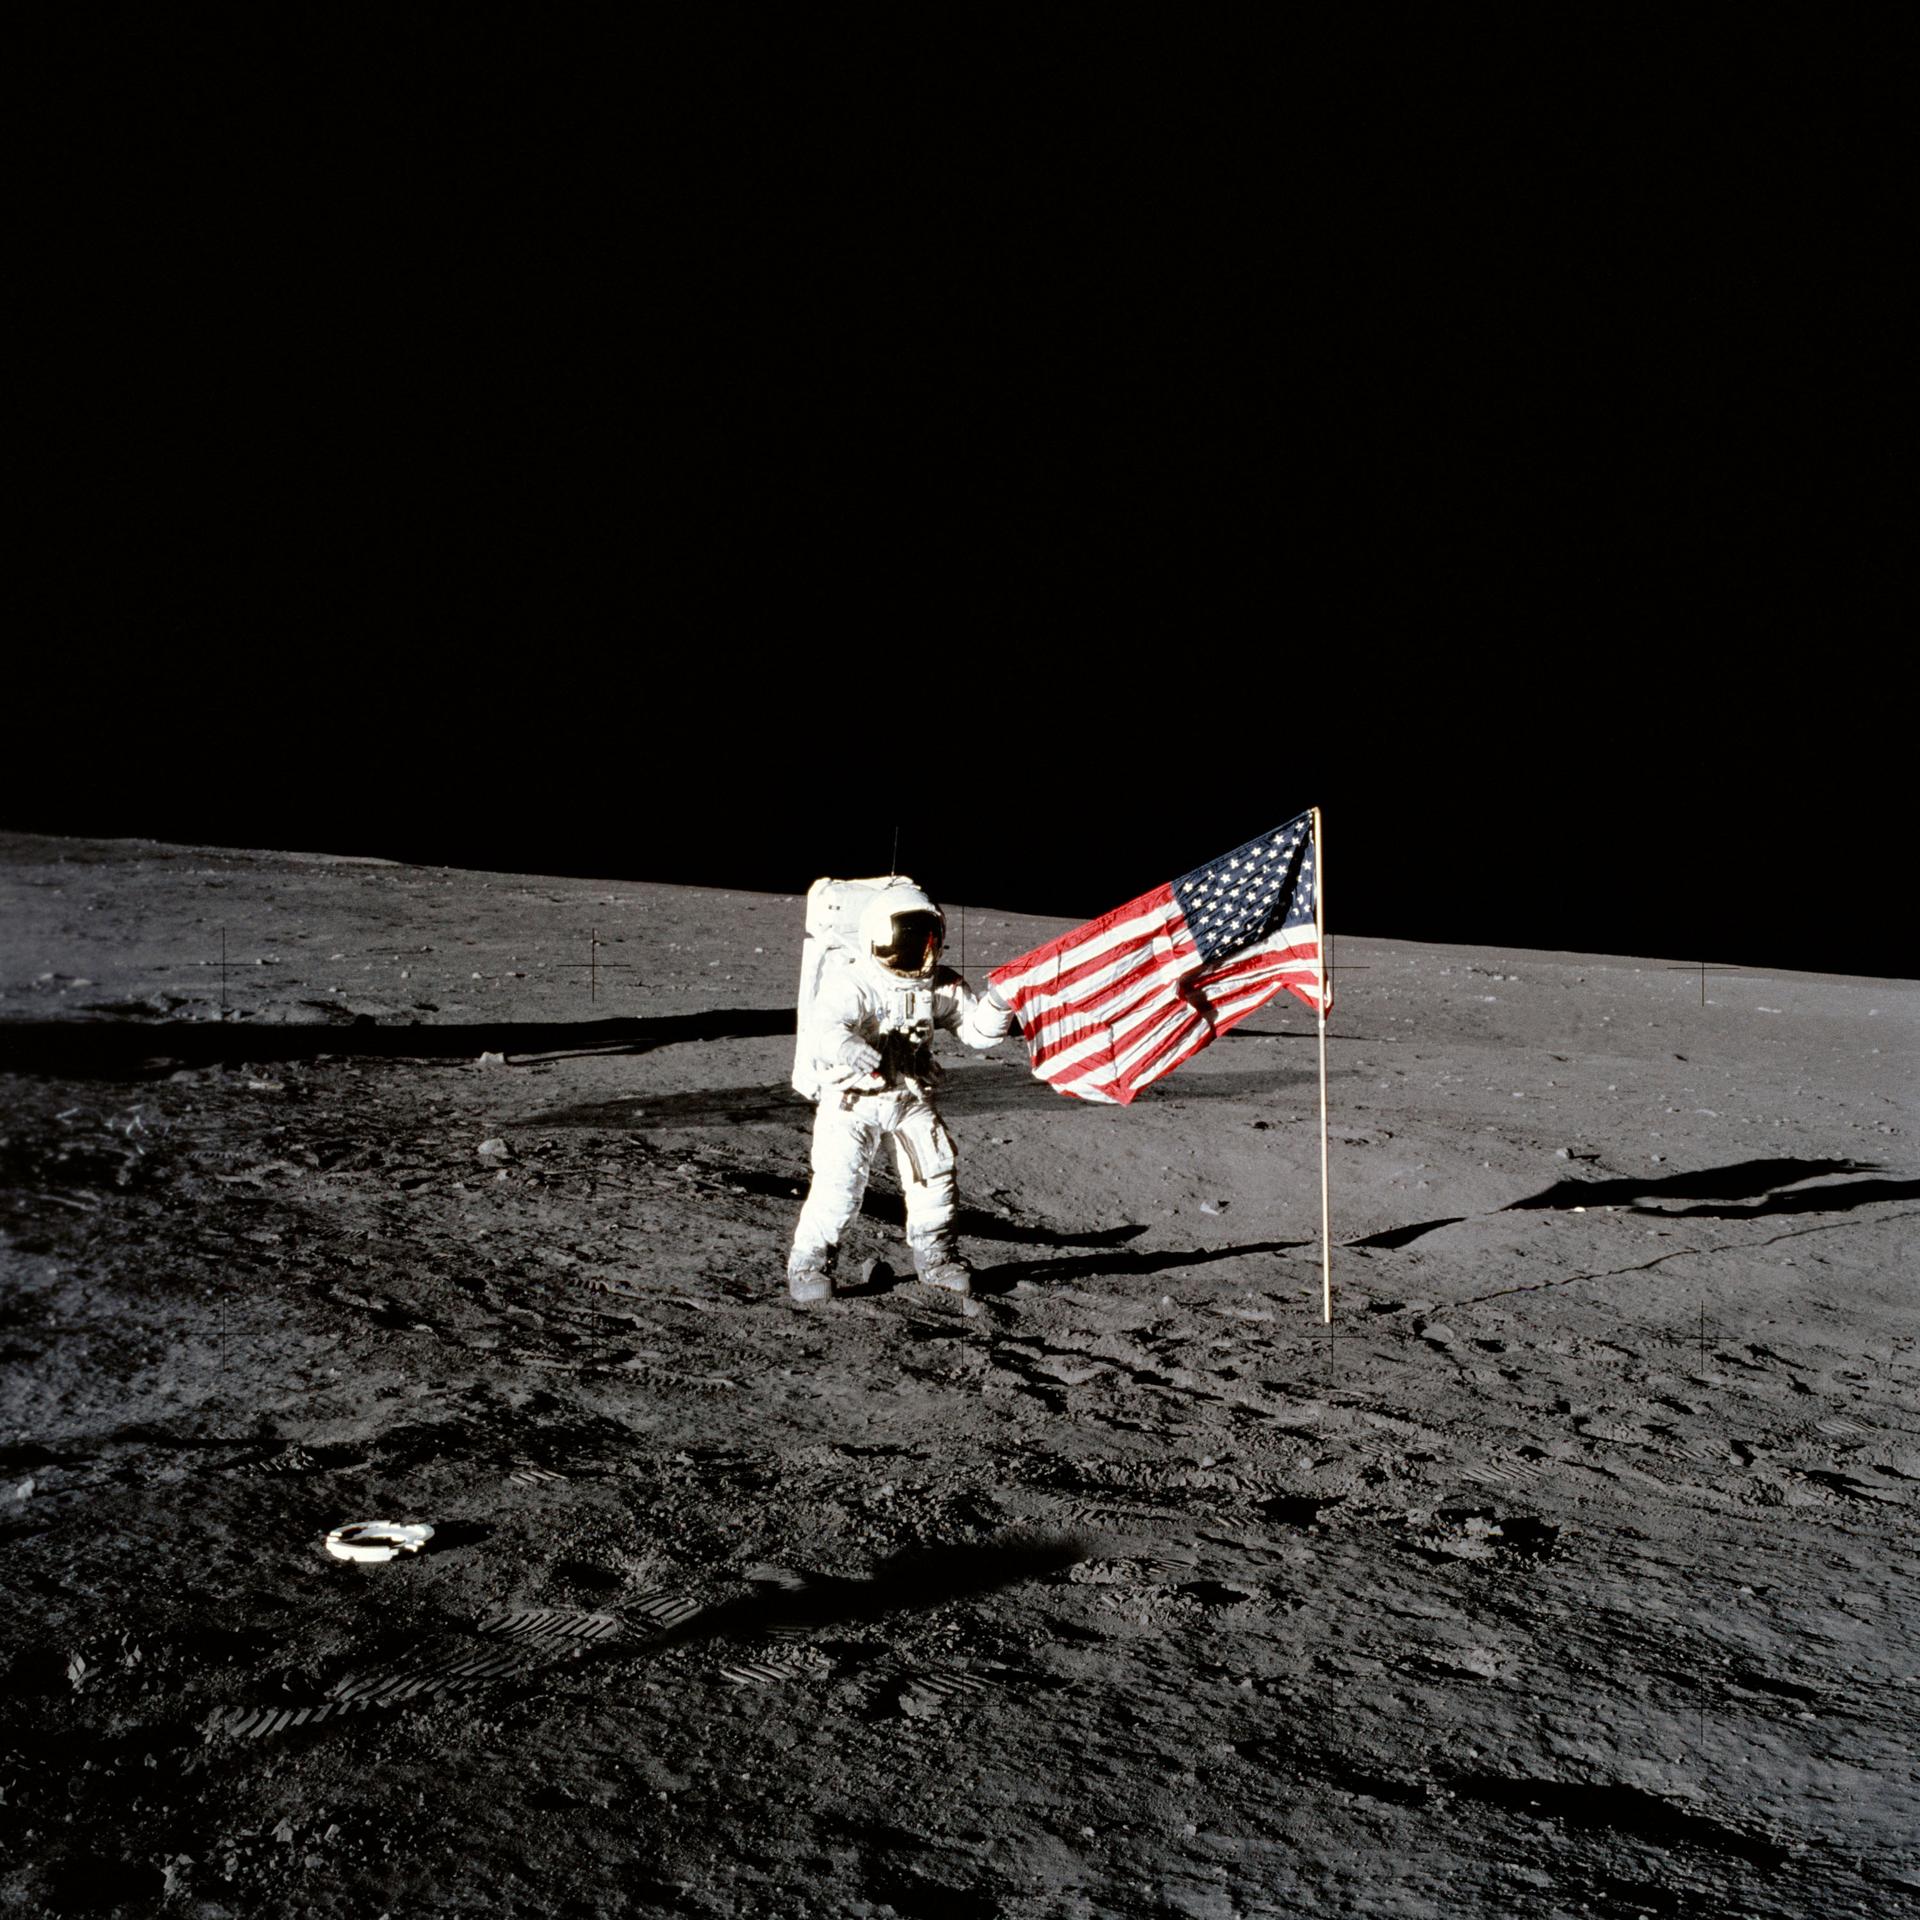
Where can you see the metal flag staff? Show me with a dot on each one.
(1320, 943)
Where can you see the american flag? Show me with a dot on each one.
(1114, 1005)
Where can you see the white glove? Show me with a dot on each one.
(855, 1054)
(987, 1022)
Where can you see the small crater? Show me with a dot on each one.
(1297, 1509)
(1478, 1533)
(1211, 1593)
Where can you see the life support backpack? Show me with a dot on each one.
(834, 908)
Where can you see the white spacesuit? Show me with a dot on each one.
(866, 1058)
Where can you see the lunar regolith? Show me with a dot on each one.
(1574, 1569)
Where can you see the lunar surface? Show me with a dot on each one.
(1572, 1571)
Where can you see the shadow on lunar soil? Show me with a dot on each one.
(1741, 1180)
(890, 1211)
(1401, 1236)
(96, 1051)
(742, 1106)
(906, 1583)
(1609, 1808)
(1094, 1266)
(1856, 1193)
(886, 1208)
(782, 1601)
(992, 1089)
(1734, 1184)
(1613, 1807)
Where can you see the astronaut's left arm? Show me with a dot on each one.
(980, 1020)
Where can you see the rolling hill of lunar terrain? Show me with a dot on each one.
(1575, 1571)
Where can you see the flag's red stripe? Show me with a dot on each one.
(1083, 980)
(1109, 994)
(1265, 978)
(1249, 1003)
(1299, 944)
(1276, 945)
(1196, 1037)
(1232, 1008)
(1248, 985)
(1235, 1008)
(1088, 979)
(1250, 981)
(1104, 1021)
(1150, 1036)
(1153, 969)
(1095, 1067)
(1119, 1034)
(1186, 1037)
(1260, 978)
(1068, 1026)
(1227, 1015)
(1273, 958)
(1091, 930)
(1109, 1063)
(1062, 1029)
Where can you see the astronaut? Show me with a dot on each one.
(867, 1038)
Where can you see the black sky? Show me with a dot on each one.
(509, 444)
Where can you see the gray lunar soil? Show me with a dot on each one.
(1573, 1572)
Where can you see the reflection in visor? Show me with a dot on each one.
(915, 945)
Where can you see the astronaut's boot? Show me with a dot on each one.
(937, 1262)
(810, 1274)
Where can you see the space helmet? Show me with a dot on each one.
(902, 931)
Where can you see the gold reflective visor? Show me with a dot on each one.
(915, 945)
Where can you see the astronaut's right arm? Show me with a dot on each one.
(982, 1020)
(841, 1049)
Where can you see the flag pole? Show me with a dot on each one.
(1320, 941)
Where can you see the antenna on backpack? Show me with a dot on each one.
(894, 870)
